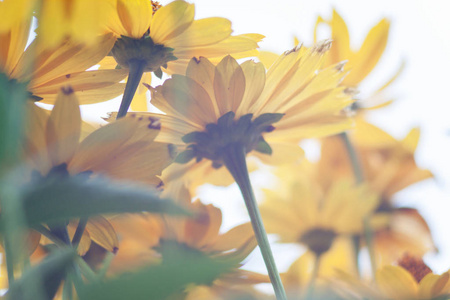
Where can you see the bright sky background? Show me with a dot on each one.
(419, 35)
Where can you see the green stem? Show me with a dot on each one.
(79, 232)
(85, 269)
(314, 274)
(356, 241)
(359, 178)
(234, 159)
(48, 234)
(354, 160)
(136, 68)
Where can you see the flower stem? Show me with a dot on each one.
(359, 178)
(79, 232)
(136, 68)
(234, 159)
(312, 282)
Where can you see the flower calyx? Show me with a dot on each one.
(153, 56)
(228, 132)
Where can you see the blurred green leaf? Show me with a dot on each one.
(180, 266)
(12, 99)
(42, 281)
(58, 201)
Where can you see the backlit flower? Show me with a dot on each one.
(123, 150)
(213, 107)
(141, 235)
(48, 69)
(411, 279)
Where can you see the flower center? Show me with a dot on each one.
(318, 240)
(415, 266)
(217, 138)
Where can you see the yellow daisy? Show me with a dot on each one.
(48, 69)
(304, 213)
(120, 150)
(360, 62)
(151, 37)
(388, 166)
(411, 279)
(141, 234)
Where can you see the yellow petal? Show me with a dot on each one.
(12, 45)
(229, 85)
(102, 232)
(135, 16)
(368, 55)
(63, 127)
(201, 33)
(267, 58)
(171, 20)
(255, 78)
(432, 285)
(411, 140)
(13, 12)
(396, 283)
(340, 49)
(234, 238)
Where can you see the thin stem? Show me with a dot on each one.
(105, 266)
(359, 178)
(48, 234)
(9, 262)
(234, 159)
(356, 241)
(136, 68)
(85, 269)
(354, 160)
(312, 282)
(79, 232)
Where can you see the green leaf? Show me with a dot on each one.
(267, 119)
(42, 281)
(158, 73)
(12, 103)
(185, 156)
(60, 200)
(263, 147)
(180, 266)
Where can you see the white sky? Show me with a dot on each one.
(419, 34)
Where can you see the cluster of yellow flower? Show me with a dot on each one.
(110, 212)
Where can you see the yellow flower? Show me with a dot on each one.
(48, 69)
(360, 62)
(151, 37)
(411, 279)
(388, 167)
(300, 211)
(139, 234)
(173, 26)
(80, 20)
(120, 150)
(233, 103)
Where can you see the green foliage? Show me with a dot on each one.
(42, 281)
(12, 98)
(180, 266)
(58, 201)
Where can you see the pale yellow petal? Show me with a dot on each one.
(135, 16)
(102, 232)
(255, 78)
(396, 283)
(64, 127)
(171, 20)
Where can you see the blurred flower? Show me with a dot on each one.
(388, 167)
(360, 62)
(411, 279)
(121, 150)
(304, 213)
(80, 20)
(48, 69)
(141, 235)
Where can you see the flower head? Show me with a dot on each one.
(47, 69)
(410, 279)
(168, 36)
(123, 150)
(213, 107)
